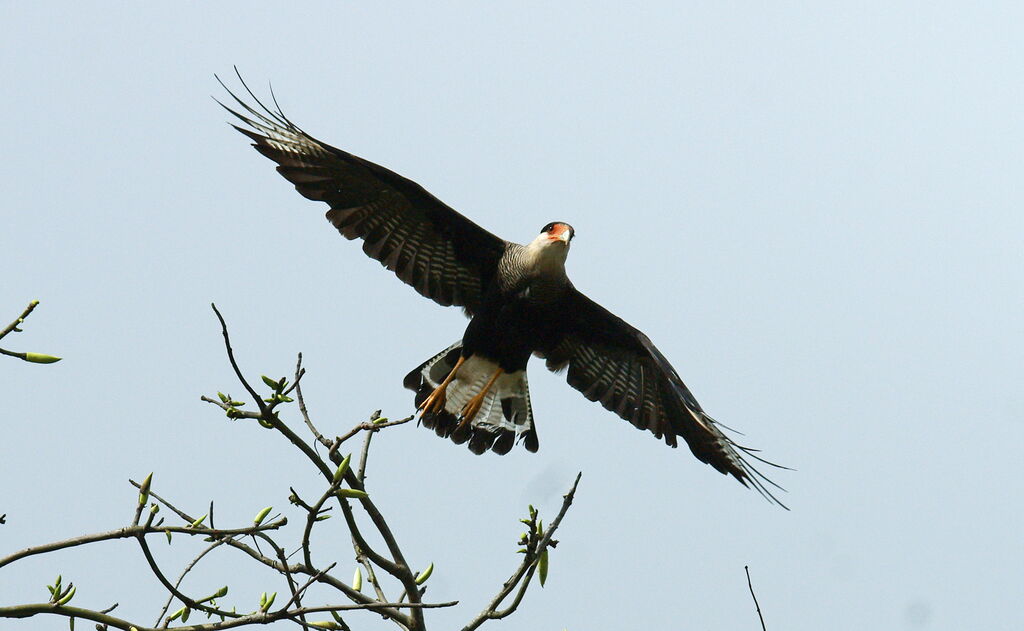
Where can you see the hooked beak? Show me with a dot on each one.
(561, 233)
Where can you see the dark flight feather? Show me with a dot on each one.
(615, 364)
(437, 251)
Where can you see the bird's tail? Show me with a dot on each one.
(505, 415)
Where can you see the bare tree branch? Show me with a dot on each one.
(13, 326)
(525, 569)
(346, 485)
(231, 359)
(29, 610)
(750, 585)
(131, 532)
(188, 602)
(181, 577)
(305, 413)
(35, 358)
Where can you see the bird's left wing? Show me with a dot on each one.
(614, 363)
(437, 251)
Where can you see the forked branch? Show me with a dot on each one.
(386, 570)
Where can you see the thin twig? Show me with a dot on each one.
(297, 593)
(174, 590)
(13, 326)
(302, 407)
(134, 531)
(312, 513)
(262, 618)
(756, 605)
(372, 576)
(364, 455)
(366, 427)
(359, 542)
(286, 570)
(525, 569)
(234, 364)
(274, 564)
(177, 583)
(523, 585)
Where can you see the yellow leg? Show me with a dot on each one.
(474, 404)
(435, 402)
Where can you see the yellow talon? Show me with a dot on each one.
(435, 402)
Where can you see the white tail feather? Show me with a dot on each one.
(504, 417)
(471, 378)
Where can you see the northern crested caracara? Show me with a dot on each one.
(519, 301)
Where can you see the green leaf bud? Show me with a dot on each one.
(144, 489)
(357, 580)
(542, 567)
(354, 493)
(38, 358)
(342, 469)
(425, 574)
(260, 516)
(67, 597)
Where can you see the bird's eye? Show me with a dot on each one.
(548, 228)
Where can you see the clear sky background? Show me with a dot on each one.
(813, 209)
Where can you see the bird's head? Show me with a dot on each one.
(558, 232)
(552, 244)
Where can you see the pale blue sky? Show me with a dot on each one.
(813, 209)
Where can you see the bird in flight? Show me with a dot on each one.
(518, 298)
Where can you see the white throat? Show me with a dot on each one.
(547, 257)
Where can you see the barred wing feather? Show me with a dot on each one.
(440, 253)
(613, 363)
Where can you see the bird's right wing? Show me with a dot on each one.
(437, 251)
(613, 363)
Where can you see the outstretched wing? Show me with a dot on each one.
(437, 251)
(610, 361)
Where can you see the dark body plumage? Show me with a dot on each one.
(518, 314)
(518, 298)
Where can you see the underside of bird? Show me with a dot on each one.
(471, 399)
(520, 302)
